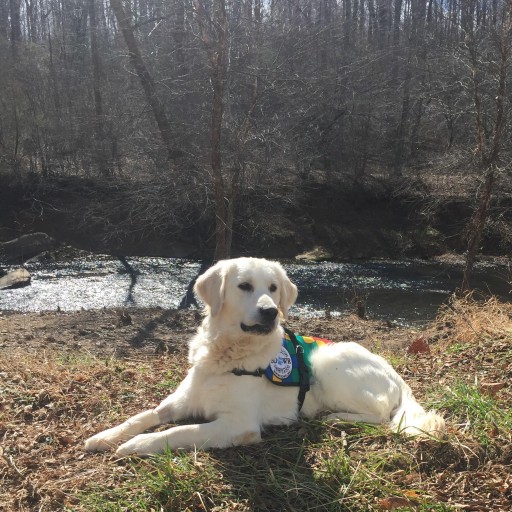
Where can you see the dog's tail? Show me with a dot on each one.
(411, 419)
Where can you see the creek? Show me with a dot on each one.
(404, 292)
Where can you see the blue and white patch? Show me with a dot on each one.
(282, 364)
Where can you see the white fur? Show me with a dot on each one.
(348, 380)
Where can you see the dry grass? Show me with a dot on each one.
(50, 403)
(470, 321)
(53, 399)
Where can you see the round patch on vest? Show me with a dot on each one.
(282, 364)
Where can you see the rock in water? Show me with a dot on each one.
(317, 254)
(15, 279)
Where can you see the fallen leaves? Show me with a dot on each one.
(419, 346)
(394, 502)
(491, 388)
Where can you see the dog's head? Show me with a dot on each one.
(250, 292)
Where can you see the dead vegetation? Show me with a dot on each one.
(468, 320)
(56, 393)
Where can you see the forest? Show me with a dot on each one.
(223, 122)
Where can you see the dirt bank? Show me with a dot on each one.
(369, 218)
(139, 333)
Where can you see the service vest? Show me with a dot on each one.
(283, 370)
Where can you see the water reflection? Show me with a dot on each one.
(94, 283)
(401, 291)
(404, 291)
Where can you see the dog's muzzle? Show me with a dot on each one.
(267, 322)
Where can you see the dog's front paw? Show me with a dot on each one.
(105, 440)
(98, 443)
(143, 444)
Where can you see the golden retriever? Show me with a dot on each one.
(246, 299)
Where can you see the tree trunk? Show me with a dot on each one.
(489, 155)
(222, 248)
(14, 8)
(372, 21)
(224, 222)
(403, 126)
(396, 23)
(178, 34)
(4, 20)
(145, 78)
(30, 21)
(476, 227)
(99, 121)
(217, 54)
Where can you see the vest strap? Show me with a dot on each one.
(304, 384)
(256, 373)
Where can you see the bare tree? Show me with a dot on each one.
(213, 35)
(146, 80)
(99, 121)
(488, 147)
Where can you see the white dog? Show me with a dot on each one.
(241, 335)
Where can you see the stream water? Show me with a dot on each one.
(402, 292)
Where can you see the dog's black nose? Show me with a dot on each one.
(268, 314)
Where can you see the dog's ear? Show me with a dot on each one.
(210, 287)
(288, 294)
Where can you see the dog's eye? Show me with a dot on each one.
(272, 288)
(246, 287)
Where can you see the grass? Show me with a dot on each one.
(458, 348)
(305, 468)
(470, 321)
(173, 481)
(51, 402)
(477, 412)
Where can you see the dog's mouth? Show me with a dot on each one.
(258, 328)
